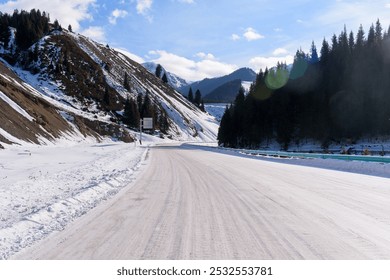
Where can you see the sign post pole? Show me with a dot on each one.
(140, 131)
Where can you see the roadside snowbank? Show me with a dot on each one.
(43, 188)
(367, 168)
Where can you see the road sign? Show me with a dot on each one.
(148, 123)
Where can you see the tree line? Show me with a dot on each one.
(30, 27)
(143, 107)
(197, 100)
(340, 94)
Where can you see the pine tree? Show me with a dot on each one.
(70, 28)
(360, 38)
(165, 78)
(378, 32)
(126, 83)
(198, 98)
(158, 71)
(371, 36)
(147, 109)
(56, 25)
(313, 54)
(127, 112)
(131, 114)
(163, 122)
(190, 95)
(351, 41)
(201, 107)
(325, 50)
(106, 98)
(225, 129)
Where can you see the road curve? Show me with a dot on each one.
(191, 203)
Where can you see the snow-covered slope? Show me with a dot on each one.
(83, 84)
(173, 80)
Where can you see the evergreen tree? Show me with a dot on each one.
(360, 38)
(70, 28)
(106, 98)
(190, 95)
(313, 54)
(165, 78)
(202, 106)
(126, 83)
(351, 41)
(371, 36)
(147, 107)
(225, 129)
(139, 103)
(198, 98)
(56, 25)
(378, 32)
(345, 96)
(163, 122)
(131, 114)
(158, 71)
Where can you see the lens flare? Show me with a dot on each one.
(276, 79)
(299, 69)
(262, 93)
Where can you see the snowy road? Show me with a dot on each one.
(190, 203)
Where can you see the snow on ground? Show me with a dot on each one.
(216, 109)
(367, 168)
(43, 188)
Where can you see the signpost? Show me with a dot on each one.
(148, 123)
(145, 123)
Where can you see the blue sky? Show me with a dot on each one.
(207, 38)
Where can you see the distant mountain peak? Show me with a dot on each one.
(228, 83)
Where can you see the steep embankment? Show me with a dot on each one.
(68, 86)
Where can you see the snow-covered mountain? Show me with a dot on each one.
(173, 80)
(231, 82)
(66, 86)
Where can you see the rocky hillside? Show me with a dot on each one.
(66, 86)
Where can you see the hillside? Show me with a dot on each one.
(173, 80)
(206, 86)
(225, 93)
(66, 86)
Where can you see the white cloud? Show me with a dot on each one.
(143, 6)
(117, 14)
(387, 6)
(261, 62)
(187, 1)
(251, 34)
(192, 70)
(279, 51)
(132, 56)
(65, 11)
(203, 55)
(96, 33)
(235, 37)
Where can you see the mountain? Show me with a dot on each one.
(173, 80)
(62, 86)
(225, 93)
(206, 86)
